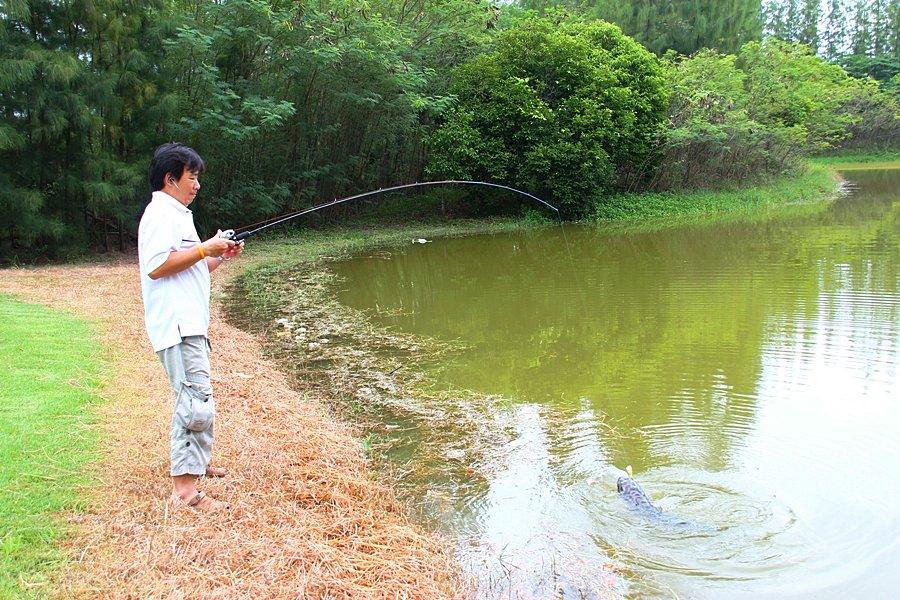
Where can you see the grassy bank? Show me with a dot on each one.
(817, 184)
(858, 157)
(860, 160)
(47, 386)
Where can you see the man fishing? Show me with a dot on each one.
(175, 281)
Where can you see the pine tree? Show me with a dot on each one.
(685, 25)
(127, 89)
(861, 31)
(871, 45)
(792, 20)
(776, 19)
(893, 30)
(808, 30)
(879, 20)
(42, 119)
(76, 89)
(834, 36)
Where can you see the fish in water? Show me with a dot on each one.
(638, 500)
(634, 495)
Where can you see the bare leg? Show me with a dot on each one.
(184, 486)
(184, 493)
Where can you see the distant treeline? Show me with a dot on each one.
(293, 103)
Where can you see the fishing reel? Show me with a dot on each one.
(229, 234)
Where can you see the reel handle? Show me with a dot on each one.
(229, 234)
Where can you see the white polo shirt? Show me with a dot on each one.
(178, 305)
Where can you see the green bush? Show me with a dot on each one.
(560, 110)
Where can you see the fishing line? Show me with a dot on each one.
(243, 233)
(252, 229)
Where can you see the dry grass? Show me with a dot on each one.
(307, 518)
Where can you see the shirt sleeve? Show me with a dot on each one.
(158, 236)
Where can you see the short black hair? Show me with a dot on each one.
(173, 158)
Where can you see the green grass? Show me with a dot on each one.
(48, 383)
(851, 161)
(815, 186)
(847, 157)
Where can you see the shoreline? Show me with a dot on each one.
(298, 473)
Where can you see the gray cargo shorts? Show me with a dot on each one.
(191, 434)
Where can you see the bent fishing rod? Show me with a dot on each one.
(239, 237)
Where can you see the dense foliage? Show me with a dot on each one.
(293, 103)
(79, 105)
(555, 109)
(863, 36)
(289, 102)
(755, 114)
(306, 104)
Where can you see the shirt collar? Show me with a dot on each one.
(161, 196)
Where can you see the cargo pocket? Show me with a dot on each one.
(196, 406)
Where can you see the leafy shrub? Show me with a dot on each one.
(559, 110)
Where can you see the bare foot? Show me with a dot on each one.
(200, 503)
(216, 471)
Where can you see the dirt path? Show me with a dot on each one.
(307, 518)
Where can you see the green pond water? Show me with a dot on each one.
(748, 371)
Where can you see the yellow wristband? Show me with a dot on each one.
(200, 249)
